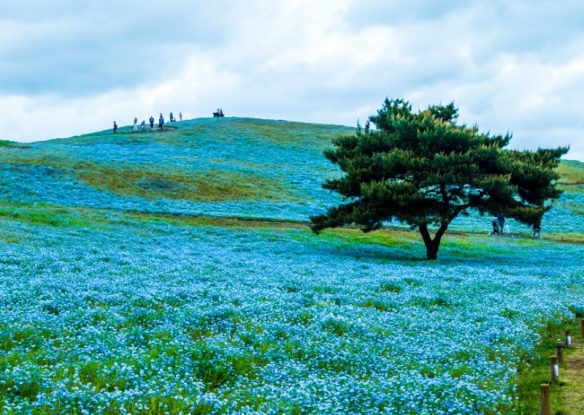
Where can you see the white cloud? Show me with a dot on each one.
(73, 67)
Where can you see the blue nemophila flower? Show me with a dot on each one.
(137, 316)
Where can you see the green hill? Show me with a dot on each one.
(226, 167)
(219, 167)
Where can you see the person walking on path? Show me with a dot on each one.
(115, 127)
(151, 121)
(161, 121)
(135, 124)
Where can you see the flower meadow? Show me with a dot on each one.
(108, 313)
(134, 281)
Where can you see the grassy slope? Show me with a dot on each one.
(572, 173)
(221, 167)
(228, 167)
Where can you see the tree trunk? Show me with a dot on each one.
(432, 250)
(432, 245)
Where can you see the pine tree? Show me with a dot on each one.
(425, 169)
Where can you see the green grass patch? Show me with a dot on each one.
(217, 221)
(571, 172)
(389, 238)
(572, 390)
(212, 186)
(389, 288)
(377, 305)
(571, 176)
(536, 371)
(287, 133)
(336, 327)
(574, 238)
(43, 214)
(10, 237)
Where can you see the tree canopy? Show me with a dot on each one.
(424, 169)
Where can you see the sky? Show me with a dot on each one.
(70, 67)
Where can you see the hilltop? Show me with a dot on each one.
(225, 167)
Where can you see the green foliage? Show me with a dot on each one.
(425, 169)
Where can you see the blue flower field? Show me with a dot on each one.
(172, 273)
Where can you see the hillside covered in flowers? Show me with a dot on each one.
(172, 273)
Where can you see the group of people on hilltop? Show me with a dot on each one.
(143, 124)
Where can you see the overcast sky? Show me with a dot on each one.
(72, 66)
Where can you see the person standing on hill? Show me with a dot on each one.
(135, 124)
(180, 116)
(171, 117)
(536, 230)
(151, 121)
(501, 220)
(495, 223)
(161, 121)
(115, 127)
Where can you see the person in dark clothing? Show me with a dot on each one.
(161, 121)
(115, 127)
(536, 233)
(151, 121)
(501, 220)
(171, 117)
(495, 223)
